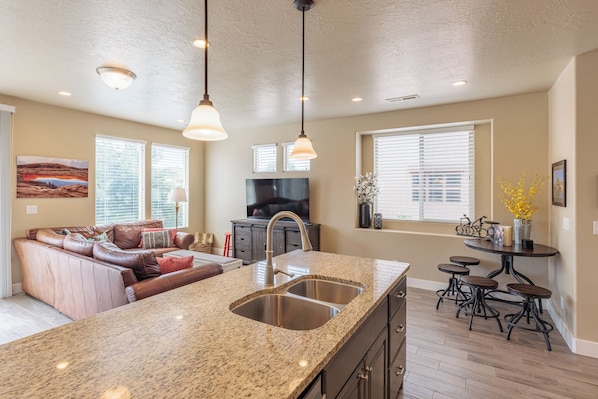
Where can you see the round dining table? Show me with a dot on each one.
(507, 265)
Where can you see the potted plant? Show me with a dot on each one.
(367, 190)
(519, 201)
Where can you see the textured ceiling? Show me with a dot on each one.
(374, 49)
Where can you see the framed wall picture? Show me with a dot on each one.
(559, 183)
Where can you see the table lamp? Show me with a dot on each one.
(177, 195)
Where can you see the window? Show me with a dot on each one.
(425, 175)
(293, 165)
(120, 180)
(264, 158)
(170, 169)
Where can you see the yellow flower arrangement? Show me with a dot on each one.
(519, 200)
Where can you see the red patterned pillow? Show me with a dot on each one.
(172, 264)
(152, 229)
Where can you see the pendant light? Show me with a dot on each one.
(303, 148)
(205, 120)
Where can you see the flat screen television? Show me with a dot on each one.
(267, 197)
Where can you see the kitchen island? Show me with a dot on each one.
(186, 343)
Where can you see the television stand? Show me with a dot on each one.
(249, 238)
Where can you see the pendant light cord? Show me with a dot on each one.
(205, 94)
(302, 72)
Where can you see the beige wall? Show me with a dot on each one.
(586, 195)
(520, 144)
(562, 138)
(572, 136)
(45, 130)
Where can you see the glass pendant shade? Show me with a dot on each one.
(205, 124)
(303, 148)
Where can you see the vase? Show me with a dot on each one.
(365, 214)
(522, 229)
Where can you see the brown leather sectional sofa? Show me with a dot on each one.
(80, 278)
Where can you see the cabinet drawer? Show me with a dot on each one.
(397, 372)
(244, 254)
(397, 297)
(397, 330)
(242, 243)
(292, 240)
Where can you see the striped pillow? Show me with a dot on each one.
(156, 239)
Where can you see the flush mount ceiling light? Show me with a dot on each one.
(205, 122)
(115, 77)
(303, 148)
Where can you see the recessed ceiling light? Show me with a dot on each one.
(304, 98)
(460, 83)
(200, 43)
(180, 121)
(356, 99)
(64, 93)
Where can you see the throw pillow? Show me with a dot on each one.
(156, 239)
(143, 263)
(101, 237)
(148, 229)
(172, 264)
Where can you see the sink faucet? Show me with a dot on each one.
(305, 243)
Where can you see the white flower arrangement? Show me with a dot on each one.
(366, 187)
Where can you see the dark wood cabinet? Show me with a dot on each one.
(249, 238)
(371, 364)
(397, 330)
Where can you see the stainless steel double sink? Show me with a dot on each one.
(306, 304)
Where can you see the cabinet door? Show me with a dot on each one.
(258, 243)
(355, 388)
(376, 366)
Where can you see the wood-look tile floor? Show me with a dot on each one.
(446, 360)
(22, 315)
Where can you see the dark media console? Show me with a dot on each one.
(249, 238)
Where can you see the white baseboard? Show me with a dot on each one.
(578, 346)
(17, 288)
(425, 284)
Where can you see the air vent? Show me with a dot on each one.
(403, 98)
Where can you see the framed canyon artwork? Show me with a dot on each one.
(44, 177)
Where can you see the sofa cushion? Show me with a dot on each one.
(48, 236)
(156, 239)
(128, 235)
(143, 263)
(172, 264)
(75, 242)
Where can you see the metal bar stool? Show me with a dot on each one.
(227, 244)
(464, 260)
(529, 293)
(476, 305)
(454, 286)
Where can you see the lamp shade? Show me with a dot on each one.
(117, 78)
(177, 195)
(205, 124)
(303, 149)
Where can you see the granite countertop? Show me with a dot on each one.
(186, 343)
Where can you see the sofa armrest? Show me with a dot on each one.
(183, 240)
(166, 282)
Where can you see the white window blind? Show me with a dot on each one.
(170, 169)
(120, 180)
(264, 158)
(293, 165)
(425, 175)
